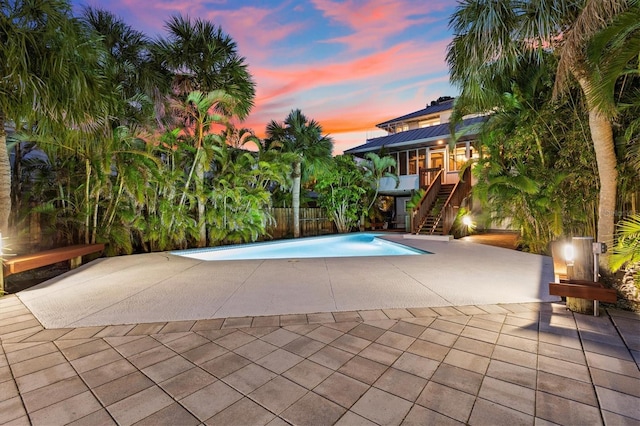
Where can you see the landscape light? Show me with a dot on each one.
(569, 254)
(466, 220)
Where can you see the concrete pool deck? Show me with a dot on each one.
(163, 287)
(495, 363)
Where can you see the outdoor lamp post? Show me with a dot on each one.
(581, 256)
(569, 256)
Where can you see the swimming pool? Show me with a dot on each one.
(348, 245)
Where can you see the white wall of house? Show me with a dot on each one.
(401, 212)
(407, 183)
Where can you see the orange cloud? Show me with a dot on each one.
(372, 71)
(410, 59)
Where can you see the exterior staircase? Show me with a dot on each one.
(439, 206)
(431, 225)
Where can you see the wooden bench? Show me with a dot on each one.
(26, 262)
(583, 290)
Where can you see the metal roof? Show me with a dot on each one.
(431, 109)
(412, 137)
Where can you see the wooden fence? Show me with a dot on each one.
(312, 222)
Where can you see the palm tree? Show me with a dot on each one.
(198, 118)
(63, 84)
(201, 57)
(303, 138)
(238, 138)
(492, 38)
(128, 67)
(376, 168)
(614, 54)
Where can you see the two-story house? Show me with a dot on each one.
(421, 144)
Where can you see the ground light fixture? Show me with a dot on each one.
(569, 254)
(467, 221)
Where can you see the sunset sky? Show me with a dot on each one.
(347, 64)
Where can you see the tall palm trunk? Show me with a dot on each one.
(202, 225)
(602, 137)
(603, 144)
(295, 197)
(5, 180)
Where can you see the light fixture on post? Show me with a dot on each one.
(569, 254)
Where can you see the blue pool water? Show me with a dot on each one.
(349, 245)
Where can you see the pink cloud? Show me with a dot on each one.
(372, 21)
(254, 29)
(410, 59)
(349, 92)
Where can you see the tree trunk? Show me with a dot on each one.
(602, 135)
(603, 144)
(87, 196)
(5, 180)
(202, 223)
(295, 198)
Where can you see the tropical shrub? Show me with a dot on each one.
(341, 186)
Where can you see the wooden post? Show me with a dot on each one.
(1, 268)
(582, 270)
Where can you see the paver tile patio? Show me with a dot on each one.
(382, 407)
(312, 409)
(494, 364)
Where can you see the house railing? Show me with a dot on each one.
(422, 212)
(427, 176)
(452, 205)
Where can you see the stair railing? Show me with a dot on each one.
(452, 205)
(420, 214)
(427, 176)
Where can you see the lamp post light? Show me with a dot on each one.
(569, 257)
(581, 256)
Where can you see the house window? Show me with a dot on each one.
(457, 157)
(413, 162)
(430, 122)
(422, 159)
(403, 163)
(402, 127)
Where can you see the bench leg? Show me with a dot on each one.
(596, 308)
(75, 262)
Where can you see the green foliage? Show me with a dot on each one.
(239, 196)
(627, 248)
(414, 201)
(200, 56)
(375, 169)
(537, 170)
(341, 187)
(302, 141)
